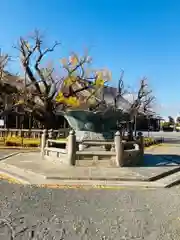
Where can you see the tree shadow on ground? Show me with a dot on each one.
(159, 160)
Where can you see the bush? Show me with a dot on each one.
(151, 141)
(167, 127)
(19, 141)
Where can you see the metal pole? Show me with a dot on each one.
(135, 125)
(148, 126)
(25, 93)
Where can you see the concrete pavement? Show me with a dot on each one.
(159, 163)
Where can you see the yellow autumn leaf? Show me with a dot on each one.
(69, 80)
(63, 61)
(72, 101)
(91, 101)
(99, 75)
(20, 102)
(99, 82)
(73, 60)
(28, 45)
(60, 97)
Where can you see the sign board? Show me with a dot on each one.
(1, 123)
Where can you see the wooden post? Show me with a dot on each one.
(141, 144)
(71, 155)
(43, 142)
(119, 149)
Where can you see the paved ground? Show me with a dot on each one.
(33, 169)
(33, 213)
(7, 152)
(89, 214)
(166, 154)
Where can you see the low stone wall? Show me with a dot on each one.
(94, 151)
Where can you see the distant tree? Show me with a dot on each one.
(7, 91)
(141, 104)
(171, 120)
(178, 120)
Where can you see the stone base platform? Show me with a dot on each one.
(33, 170)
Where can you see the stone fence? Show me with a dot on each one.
(120, 153)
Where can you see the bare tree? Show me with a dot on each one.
(44, 93)
(141, 103)
(143, 100)
(40, 86)
(178, 120)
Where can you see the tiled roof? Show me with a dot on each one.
(110, 93)
(13, 80)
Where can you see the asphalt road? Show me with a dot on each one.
(89, 214)
(169, 137)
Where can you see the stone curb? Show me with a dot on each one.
(175, 183)
(19, 148)
(28, 177)
(14, 176)
(108, 183)
(20, 174)
(95, 179)
(164, 174)
(148, 180)
(9, 155)
(81, 183)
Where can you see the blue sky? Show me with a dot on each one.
(142, 37)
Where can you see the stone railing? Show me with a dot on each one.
(121, 153)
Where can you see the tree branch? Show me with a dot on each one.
(40, 57)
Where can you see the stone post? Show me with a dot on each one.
(21, 136)
(71, 155)
(43, 142)
(118, 149)
(141, 144)
(50, 136)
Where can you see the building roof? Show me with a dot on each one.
(110, 93)
(13, 80)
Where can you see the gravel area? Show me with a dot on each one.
(33, 213)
